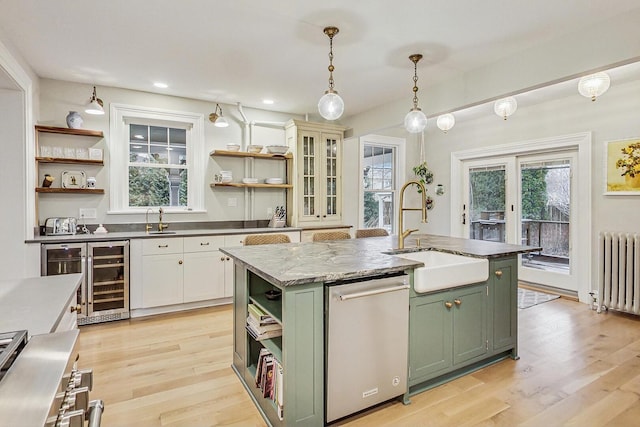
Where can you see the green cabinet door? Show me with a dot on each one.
(429, 337)
(469, 314)
(503, 278)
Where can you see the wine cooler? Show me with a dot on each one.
(104, 293)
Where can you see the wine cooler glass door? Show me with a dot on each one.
(108, 284)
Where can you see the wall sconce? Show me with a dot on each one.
(94, 106)
(415, 121)
(594, 85)
(331, 105)
(217, 119)
(445, 122)
(505, 107)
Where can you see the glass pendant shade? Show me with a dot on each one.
(415, 121)
(331, 105)
(594, 85)
(505, 107)
(445, 122)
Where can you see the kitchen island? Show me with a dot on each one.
(301, 272)
(40, 305)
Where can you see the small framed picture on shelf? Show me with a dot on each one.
(74, 179)
(95, 154)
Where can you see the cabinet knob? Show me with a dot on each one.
(498, 273)
(448, 304)
(457, 301)
(77, 308)
(180, 262)
(221, 258)
(228, 258)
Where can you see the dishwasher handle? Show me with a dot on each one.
(345, 297)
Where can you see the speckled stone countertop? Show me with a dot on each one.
(124, 235)
(299, 263)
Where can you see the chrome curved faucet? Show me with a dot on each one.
(402, 234)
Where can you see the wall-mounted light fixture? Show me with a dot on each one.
(445, 122)
(594, 85)
(94, 106)
(415, 121)
(217, 119)
(505, 107)
(331, 105)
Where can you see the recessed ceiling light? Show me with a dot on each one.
(161, 85)
(268, 101)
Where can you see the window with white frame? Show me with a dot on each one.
(380, 177)
(156, 159)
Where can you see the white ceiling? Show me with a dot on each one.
(244, 51)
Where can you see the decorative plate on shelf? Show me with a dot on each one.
(74, 179)
(274, 181)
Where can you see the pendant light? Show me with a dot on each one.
(94, 106)
(445, 122)
(331, 105)
(217, 119)
(415, 121)
(594, 85)
(505, 107)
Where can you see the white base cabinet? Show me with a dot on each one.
(174, 273)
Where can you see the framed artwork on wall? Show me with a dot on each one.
(622, 172)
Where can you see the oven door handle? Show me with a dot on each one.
(96, 407)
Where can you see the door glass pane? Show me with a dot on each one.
(487, 203)
(546, 201)
(379, 186)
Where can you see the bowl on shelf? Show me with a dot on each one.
(250, 180)
(233, 147)
(277, 149)
(273, 294)
(274, 181)
(254, 148)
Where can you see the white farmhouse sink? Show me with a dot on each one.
(443, 270)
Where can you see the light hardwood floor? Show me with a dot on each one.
(577, 368)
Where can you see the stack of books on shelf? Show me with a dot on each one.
(261, 325)
(269, 379)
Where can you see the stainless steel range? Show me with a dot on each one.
(41, 385)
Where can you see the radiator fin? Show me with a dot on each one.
(619, 284)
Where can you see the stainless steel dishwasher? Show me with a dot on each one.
(367, 343)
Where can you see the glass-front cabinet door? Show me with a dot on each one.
(319, 172)
(108, 277)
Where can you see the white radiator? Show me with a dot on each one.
(619, 285)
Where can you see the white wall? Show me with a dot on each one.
(57, 98)
(17, 98)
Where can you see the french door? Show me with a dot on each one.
(526, 199)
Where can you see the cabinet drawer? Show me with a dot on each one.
(203, 243)
(169, 245)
